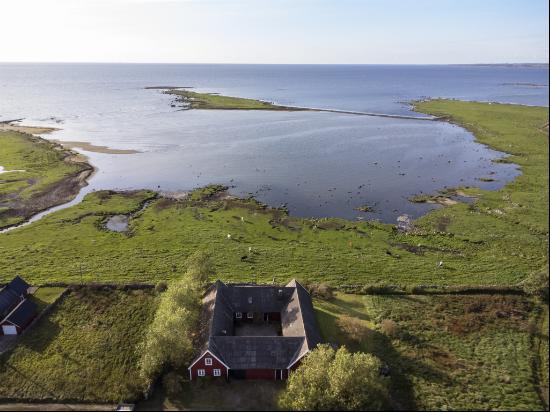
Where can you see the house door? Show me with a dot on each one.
(9, 330)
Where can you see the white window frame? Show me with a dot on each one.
(208, 361)
(217, 372)
(250, 315)
(239, 315)
(201, 372)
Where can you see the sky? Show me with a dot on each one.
(275, 31)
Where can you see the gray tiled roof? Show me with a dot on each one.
(23, 314)
(8, 300)
(298, 321)
(19, 286)
(255, 352)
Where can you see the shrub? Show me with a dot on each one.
(353, 327)
(536, 284)
(321, 290)
(161, 287)
(389, 328)
(172, 384)
(336, 380)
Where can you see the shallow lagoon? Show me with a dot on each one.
(318, 164)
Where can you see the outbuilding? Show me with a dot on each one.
(16, 311)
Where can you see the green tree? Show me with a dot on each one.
(200, 268)
(336, 380)
(169, 340)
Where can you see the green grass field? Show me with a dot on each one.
(444, 352)
(84, 350)
(45, 296)
(215, 101)
(38, 168)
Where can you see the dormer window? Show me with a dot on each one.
(239, 315)
(250, 299)
(250, 315)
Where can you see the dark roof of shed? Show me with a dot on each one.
(23, 313)
(18, 285)
(255, 352)
(8, 299)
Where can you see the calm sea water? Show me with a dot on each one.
(319, 164)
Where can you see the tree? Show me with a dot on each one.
(169, 340)
(200, 268)
(336, 380)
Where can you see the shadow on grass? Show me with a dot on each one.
(379, 345)
(219, 394)
(41, 335)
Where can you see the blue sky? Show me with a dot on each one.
(276, 31)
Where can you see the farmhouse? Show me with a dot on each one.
(16, 311)
(255, 332)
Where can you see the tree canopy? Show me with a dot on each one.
(336, 380)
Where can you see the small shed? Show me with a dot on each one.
(19, 318)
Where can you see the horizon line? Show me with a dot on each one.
(283, 64)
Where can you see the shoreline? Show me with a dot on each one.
(54, 194)
(437, 199)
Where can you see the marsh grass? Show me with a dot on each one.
(443, 352)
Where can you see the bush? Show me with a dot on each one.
(161, 287)
(536, 284)
(336, 380)
(389, 328)
(172, 384)
(321, 290)
(354, 328)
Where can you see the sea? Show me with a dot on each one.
(316, 164)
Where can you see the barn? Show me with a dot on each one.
(16, 311)
(255, 332)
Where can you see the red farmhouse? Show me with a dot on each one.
(255, 332)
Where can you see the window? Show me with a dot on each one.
(250, 299)
(239, 315)
(250, 315)
(200, 372)
(208, 361)
(217, 372)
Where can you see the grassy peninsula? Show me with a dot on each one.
(36, 175)
(214, 101)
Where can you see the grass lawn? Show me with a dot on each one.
(41, 176)
(44, 296)
(219, 102)
(84, 350)
(444, 352)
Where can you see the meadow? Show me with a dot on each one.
(84, 350)
(444, 352)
